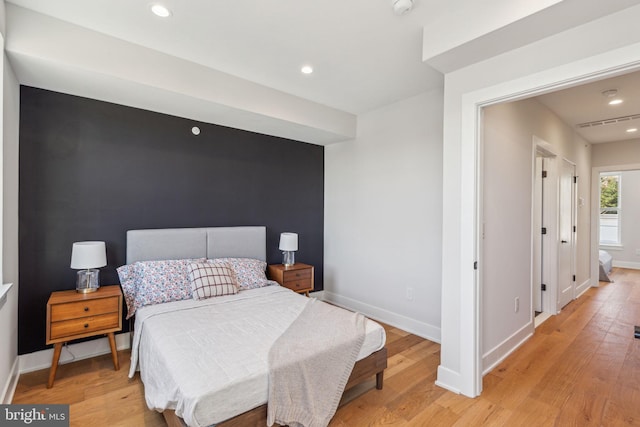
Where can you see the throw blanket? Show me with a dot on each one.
(310, 363)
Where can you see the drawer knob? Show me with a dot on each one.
(86, 309)
(86, 325)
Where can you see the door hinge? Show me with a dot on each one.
(544, 174)
(475, 265)
(543, 287)
(575, 179)
(574, 277)
(574, 228)
(544, 230)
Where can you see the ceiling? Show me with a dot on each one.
(586, 105)
(364, 56)
(237, 63)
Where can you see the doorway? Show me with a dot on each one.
(621, 252)
(554, 226)
(465, 97)
(544, 255)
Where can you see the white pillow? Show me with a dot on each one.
(212, 279)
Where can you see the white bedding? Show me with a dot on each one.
(207, 359)
(605, 265)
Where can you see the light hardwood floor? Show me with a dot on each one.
(581, 368)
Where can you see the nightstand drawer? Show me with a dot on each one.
(298, 285)
(74, 310)
(70, 328)
(298, 277)
(293, 275)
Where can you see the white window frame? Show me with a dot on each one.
(618, 242)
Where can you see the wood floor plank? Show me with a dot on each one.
(582, 408)
(580, 368)
(434, 415)
(456, 403)
(402, 344)
(409, 403)
(396, 364)
(533, 413)
(623, 408)
(484, 413)
(629, 375)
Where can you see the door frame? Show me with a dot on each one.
(537, 241)
(595, 214)
(550, 221)
(461, 358)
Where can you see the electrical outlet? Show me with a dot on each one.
(410, 294)
(516, 306)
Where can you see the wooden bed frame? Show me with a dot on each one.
(374, 364)
(217, 242)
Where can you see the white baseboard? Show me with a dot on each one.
(500, 352)
(12, 382)
(317, 294)
(84, 350)
(421, 329)
(582, 288)
(626, 264)
(447, 378)
(541, 318)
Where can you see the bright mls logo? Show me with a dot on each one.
(34, 415)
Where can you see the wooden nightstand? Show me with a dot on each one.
(298, 277)
(72, 315)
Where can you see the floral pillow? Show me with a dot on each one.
(212, 279)
(128, 282)
(250, 272)
(155, 282)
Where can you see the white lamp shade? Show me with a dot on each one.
(288, 242)
(86, 255)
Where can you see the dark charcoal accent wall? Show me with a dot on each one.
(92, 170)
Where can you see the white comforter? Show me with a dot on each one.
(207, 359)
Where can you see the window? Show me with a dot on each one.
(610, 211)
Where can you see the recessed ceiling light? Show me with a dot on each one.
(307, 69)
(160, 10)
(616, 101)
(631, 130)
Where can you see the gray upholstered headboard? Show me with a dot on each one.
(206, 242)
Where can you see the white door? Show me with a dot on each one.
(566, 282)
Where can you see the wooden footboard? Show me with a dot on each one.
(374, 364)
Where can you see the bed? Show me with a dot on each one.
(204, 362)
(605, 261)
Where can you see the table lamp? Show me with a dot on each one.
(88, 257)
(288, 246)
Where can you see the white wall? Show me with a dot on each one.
(383, 213)
(11, 125)
(9, 233)
(616, 153)
(594, 50)
(508, 131)
(582, 156)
